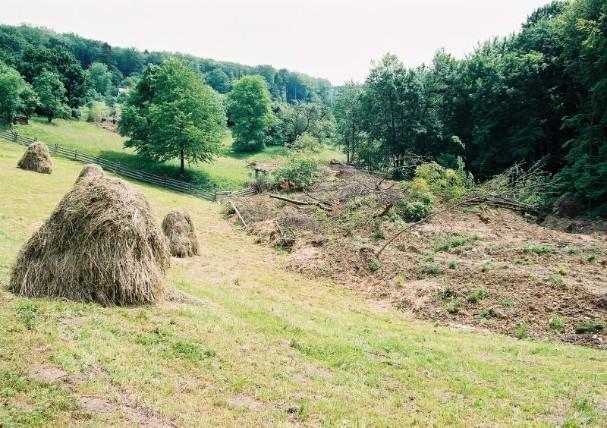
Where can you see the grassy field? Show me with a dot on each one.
(265, 346)
(228, 172)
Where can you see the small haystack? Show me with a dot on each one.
(179, 229)
(37, 158)
(101, 244)
(90, 170)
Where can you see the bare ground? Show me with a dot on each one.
(477, 266)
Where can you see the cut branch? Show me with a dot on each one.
(301, 203)
(238, 214)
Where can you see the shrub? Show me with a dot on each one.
(373, 266)
(432, 269)
(379, 234)
(261, 183)
(506, 303)
(452, 264)
(306, 143)
(414, 211)
(476, 295)
(590, 326)
(556, 324)
(298, 173)
(443, 182)
(522, 330)
(454, 305)
(455, 241)
(539, 249)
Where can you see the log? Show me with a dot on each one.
(238, 214)
(301, 203)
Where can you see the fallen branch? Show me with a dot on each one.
(238, 214)
(385, 211)
(301, 203)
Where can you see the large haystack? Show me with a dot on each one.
(90, 170)
(37, 158)
(179, 229)
(101, 244)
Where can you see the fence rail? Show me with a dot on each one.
(116, 168)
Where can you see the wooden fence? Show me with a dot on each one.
(116, 168)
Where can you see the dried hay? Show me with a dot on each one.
(36, 158)
(101, 244)
(179, 229)
(90, 170)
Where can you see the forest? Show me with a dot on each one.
(538, 95)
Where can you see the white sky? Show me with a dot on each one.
(334, 39)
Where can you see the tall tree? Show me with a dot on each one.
(250, 110)
(347, 115)
(173, 114)
(100, 79)
(52, 95)
(16, 95)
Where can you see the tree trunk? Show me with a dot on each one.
(181, 157)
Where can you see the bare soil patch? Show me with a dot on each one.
(481, 267)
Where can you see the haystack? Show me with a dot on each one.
(179, 229)
(90, 170)
(37, 158)
(101, 244)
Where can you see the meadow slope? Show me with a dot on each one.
(227, 172)
(263, 347)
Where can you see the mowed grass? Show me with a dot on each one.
(265, 348)
(227, 172)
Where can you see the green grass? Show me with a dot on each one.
(228, 171)
(266, 347)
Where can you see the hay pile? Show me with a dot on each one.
(37, 158)
(179, 229)
(100, 244)
(90, 170)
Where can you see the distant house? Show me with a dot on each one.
(124, 91)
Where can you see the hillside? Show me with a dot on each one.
(284, 85)
(227, 172)
(263, 346)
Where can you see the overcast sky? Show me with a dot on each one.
(334, 39)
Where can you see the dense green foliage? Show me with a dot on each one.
(297, 119)
(250, 111)
(541, 93)
(172, 114)
(16, 95)
(52, 95)
(300, 172)
(30, 47)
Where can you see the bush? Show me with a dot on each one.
(297, 174)
(444, 183)
(590, 326)
(306, 143)
(415, 210)
(556, 324)
(261, 183)
(476, 295)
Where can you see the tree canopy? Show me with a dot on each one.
(250, 111)
(538, 94)
(173, 114)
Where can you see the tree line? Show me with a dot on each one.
(538, 94)
(23, 45)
